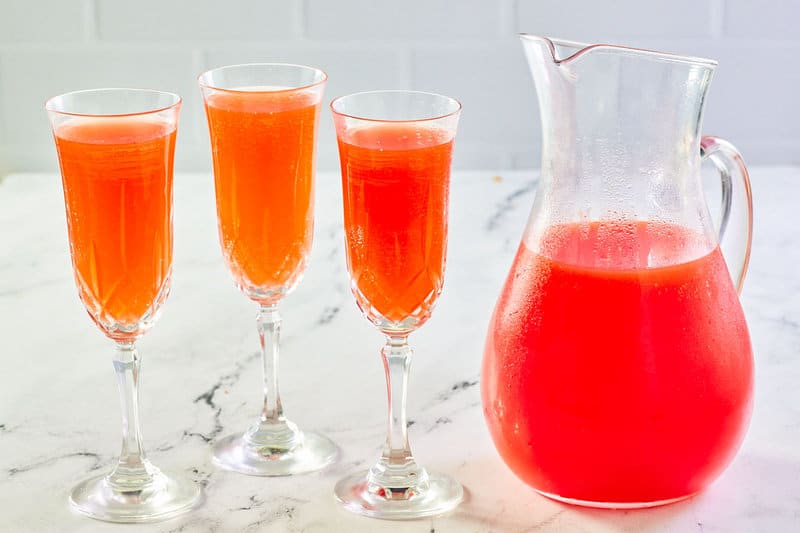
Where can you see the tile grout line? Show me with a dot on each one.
(300, 21)
(507, 18)
(717, 18)
(199, 65)
(90, 27)
(406, 59)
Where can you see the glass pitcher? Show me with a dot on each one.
(618, 370)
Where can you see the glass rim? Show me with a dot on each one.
(395, 91)
(51, 102)
(323, 78)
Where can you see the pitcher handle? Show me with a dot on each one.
(737, 204)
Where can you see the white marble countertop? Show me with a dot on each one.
(59, 416)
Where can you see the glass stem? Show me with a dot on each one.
(269, 332)
(397, 475)
(133, 471)
(273, 432)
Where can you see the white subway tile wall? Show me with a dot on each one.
(29, 21)
(773, 19)
(584, 20)
(437, 20)
(464, 48)
(196, 21)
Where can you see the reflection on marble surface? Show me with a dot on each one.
(59, 418)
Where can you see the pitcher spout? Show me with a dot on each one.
(564, 50)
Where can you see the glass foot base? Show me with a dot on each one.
(613, 505)
(236, 454)
(443, 495)
(164, 498)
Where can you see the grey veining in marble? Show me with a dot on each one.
(59, 417)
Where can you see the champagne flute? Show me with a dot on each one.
(395, 149)
(115, 148)
(262, 119)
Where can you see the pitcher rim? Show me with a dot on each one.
(583, 48)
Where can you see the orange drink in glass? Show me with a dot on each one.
(262, 119)
(115, 148)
